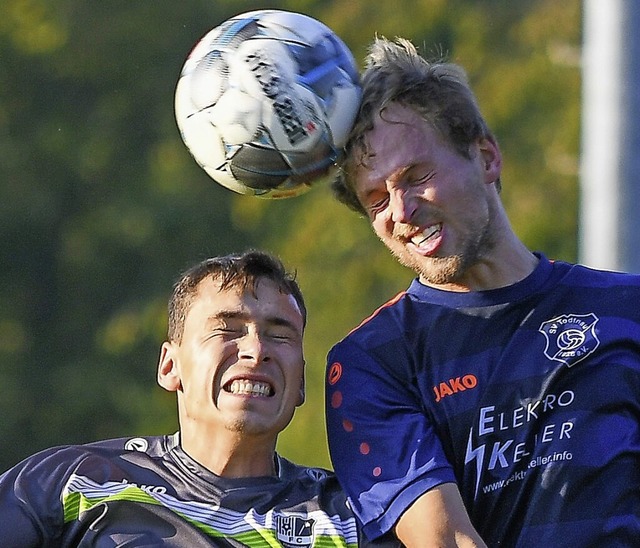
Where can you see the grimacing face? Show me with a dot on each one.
(239, 366)
(428, 204)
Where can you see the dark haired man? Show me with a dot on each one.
(234, 358)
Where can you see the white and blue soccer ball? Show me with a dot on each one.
(265, 102)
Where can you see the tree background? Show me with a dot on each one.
(101, 206)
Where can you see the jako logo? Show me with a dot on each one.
(453, 386)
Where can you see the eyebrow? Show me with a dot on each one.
(239, 315)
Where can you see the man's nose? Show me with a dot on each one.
(252, 347)
(402, 206)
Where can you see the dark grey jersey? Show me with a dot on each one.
(149, 492)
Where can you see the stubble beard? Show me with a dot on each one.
(245, 426)
(239, 426)
(444, 270)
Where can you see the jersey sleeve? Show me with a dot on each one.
(383, 447)
(30, 503)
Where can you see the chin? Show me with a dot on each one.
(238, 426)
(447, 271)
(434, 270)
(248, 428)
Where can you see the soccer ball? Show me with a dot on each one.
(265, 102)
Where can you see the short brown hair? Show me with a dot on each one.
(438, 91)
(242, 270)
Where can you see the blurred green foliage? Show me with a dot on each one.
(101, 206)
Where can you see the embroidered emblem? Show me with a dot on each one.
(570, 337)
(294, 530)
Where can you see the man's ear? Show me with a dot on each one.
(302, 394)
(168, 373)
(491, 158)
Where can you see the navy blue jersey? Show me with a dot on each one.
(149, 492)
(528, 397)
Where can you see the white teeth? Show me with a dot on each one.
(428, 233)
(249, 388)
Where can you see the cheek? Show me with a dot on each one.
(292, 369)
(381, 226)
(204, 371)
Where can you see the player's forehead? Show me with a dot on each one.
(261, 301)
(399, 139)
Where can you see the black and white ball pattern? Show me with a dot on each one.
(265, 102)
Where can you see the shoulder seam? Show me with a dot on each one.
(389, 303)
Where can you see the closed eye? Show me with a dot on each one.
(421, 178)
(227, 332)
(376, 206)
(281, 331)
(280, 337)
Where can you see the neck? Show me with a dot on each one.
(506, 262)
(231, 455)
(488, 273)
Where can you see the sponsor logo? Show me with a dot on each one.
(137, 444)
(570, 338)
(151, 489)
(316, 474)
(519, 437)
(294, 530)
(290, 113)
(454, 386)
(335, 372)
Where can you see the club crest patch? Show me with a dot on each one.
(570, 337)
(294, 530)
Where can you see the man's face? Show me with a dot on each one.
(430, 205)
(240, 365)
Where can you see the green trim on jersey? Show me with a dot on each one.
(81, 494)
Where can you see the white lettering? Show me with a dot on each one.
(483, 428)
(565, 429)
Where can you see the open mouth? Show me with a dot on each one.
(245, 387)
(431, 232)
